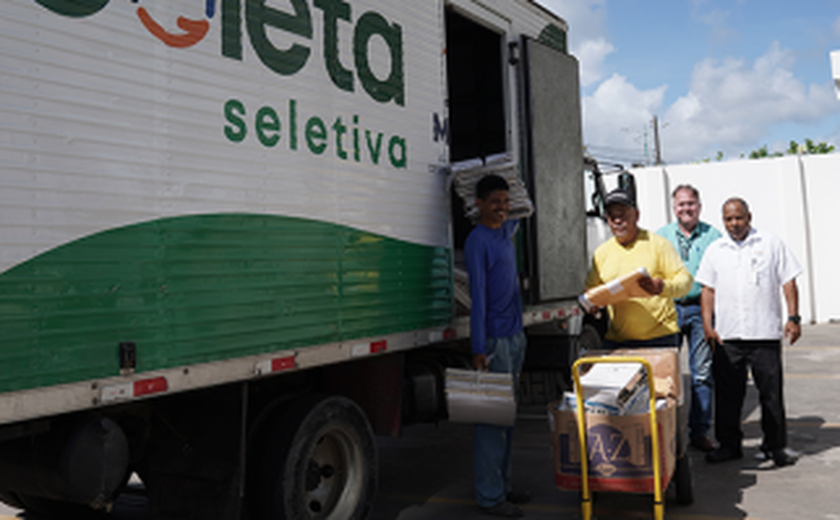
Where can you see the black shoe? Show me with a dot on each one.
(518, 497)
(788, 454)
(504, 509)
(723, 454)
(702, 443)
(784, 457)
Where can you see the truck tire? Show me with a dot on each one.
(315, 460)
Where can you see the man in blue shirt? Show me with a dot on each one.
(690, 237)
(498, 340)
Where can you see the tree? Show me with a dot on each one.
(794, 148)
(810, 148)
(762, 153)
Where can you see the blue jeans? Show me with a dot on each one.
(700, 362)
(492, 444)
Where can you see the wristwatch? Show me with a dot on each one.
(795, 318)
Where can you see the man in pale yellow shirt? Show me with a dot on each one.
(649, 321)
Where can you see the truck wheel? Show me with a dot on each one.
(316, 460)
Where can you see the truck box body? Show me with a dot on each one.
(204, 206)
(276, 184)
(231, 221)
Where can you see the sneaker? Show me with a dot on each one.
(503, 509)
(702, 443)
(723, 454)
(518, 497)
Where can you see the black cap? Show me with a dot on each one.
(619, 196)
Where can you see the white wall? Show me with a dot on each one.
(791, 197)
(822, 186)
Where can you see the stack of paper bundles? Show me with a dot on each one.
(466, 174)
(612, 389)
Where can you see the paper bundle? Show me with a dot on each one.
(615, 291)
(465, 175)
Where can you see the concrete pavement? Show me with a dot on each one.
(428, 474)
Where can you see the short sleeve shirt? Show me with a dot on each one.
(747, 277)
(641, 318)
(690, 248)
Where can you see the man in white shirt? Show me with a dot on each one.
(741, 275)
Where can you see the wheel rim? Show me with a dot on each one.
(334, 480)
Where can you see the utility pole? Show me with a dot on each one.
(656, 150)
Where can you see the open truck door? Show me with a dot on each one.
(553, 170)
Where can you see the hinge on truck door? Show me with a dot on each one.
(128, 357)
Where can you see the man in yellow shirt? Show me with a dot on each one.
(649, 321)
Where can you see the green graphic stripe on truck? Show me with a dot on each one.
(202, 288)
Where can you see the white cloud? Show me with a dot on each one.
(835, 27)
(591, 54)
(587, 34)
(615, 118)
(731, 105)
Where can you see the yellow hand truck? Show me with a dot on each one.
(682, 473)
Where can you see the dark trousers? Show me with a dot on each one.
(730, 371)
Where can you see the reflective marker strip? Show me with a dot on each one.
(363, 349)
(442, 335)
(150, 386)
(268, 366)
(134, 389)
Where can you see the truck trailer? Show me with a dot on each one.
(230, 252)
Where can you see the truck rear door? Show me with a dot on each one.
(553, 168)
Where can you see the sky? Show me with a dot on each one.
(724, 76)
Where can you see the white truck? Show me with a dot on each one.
(228, 253)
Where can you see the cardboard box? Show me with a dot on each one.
(619, 447)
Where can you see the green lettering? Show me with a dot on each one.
(356, 152)
(374, 150)
(74, 8)
(395, 145)
(292, 124)
(234, 112)
(316, 135)
(232, 29)
(367, 26)
(258, 15)
(340, 130)
(335, 10)
(265, 121)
